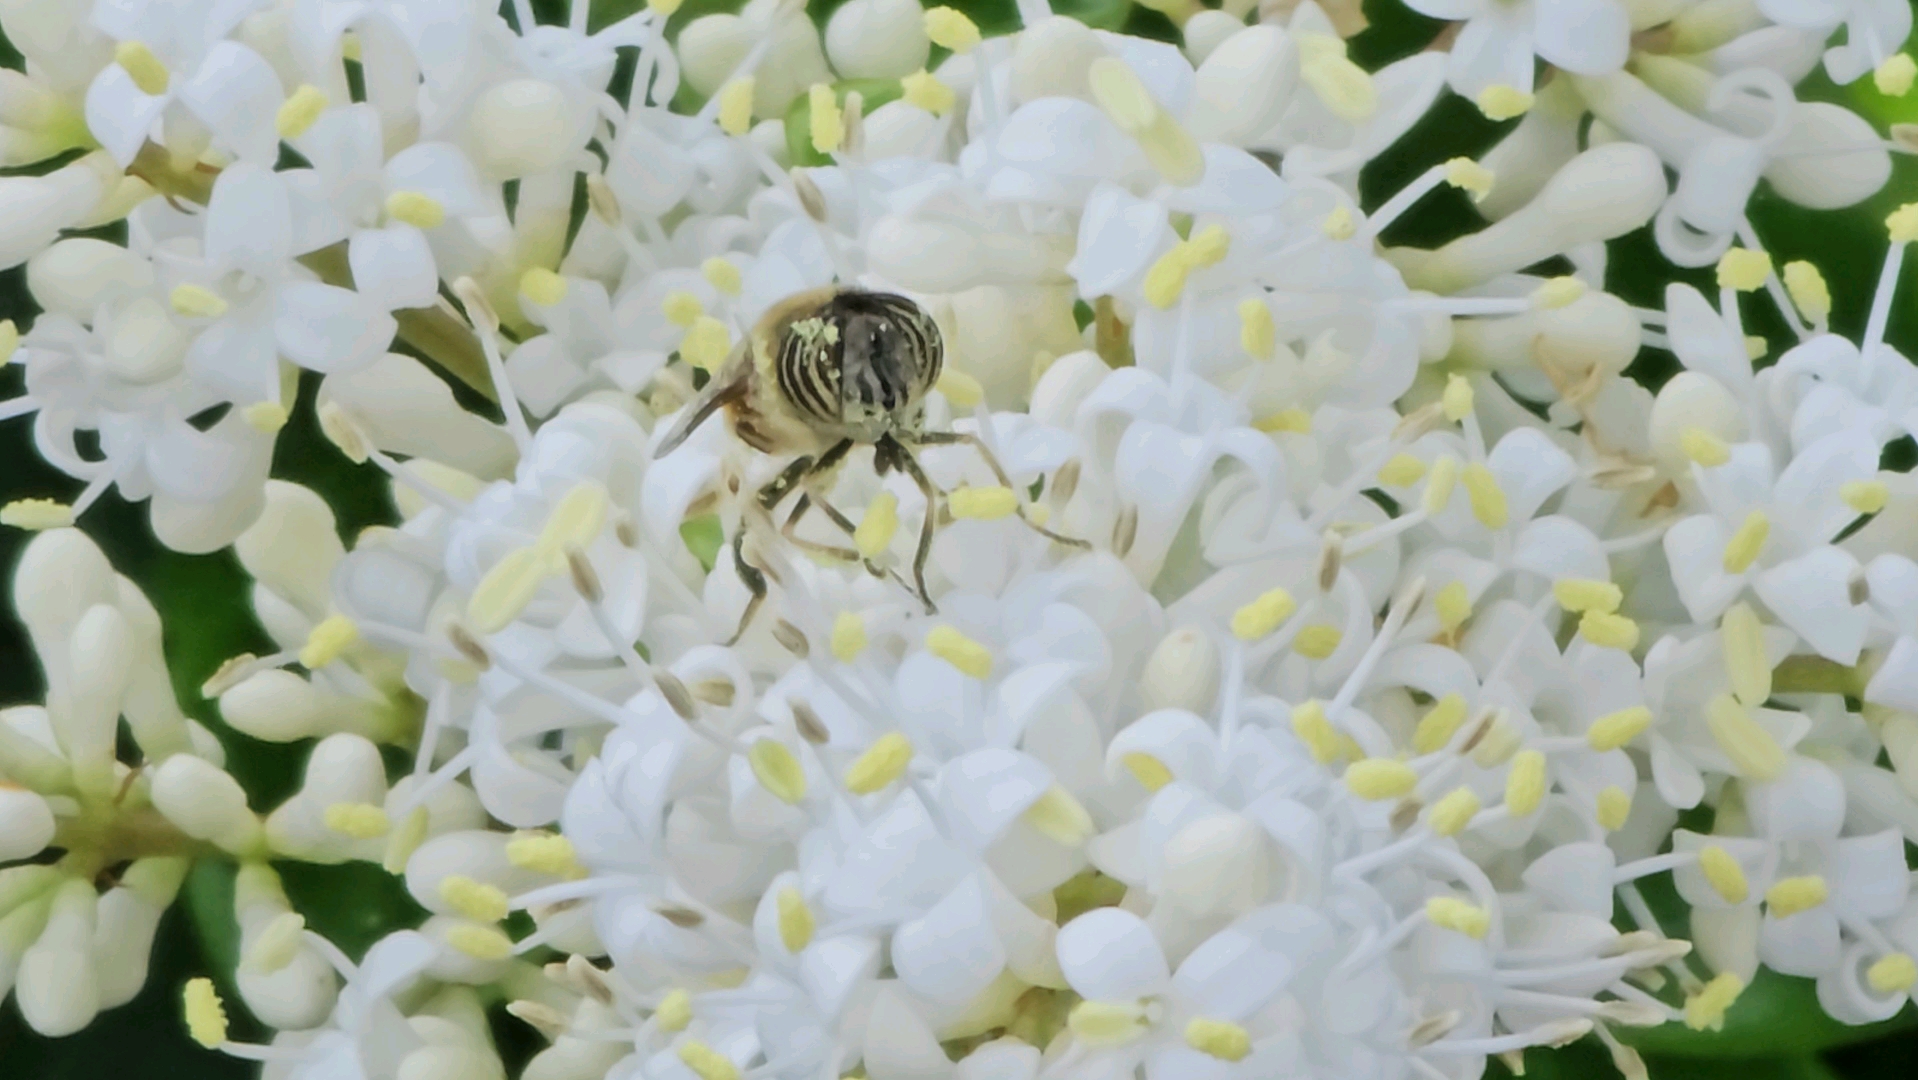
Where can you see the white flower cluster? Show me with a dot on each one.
(1328, 635)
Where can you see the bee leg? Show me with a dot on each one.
(831, 551)
(810, 499)
(902, 457)
(755, 583)
(955, 438)
(776, 489)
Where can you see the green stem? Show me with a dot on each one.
(1816, 675)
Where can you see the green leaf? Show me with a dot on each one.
(352, 905)
(208, 898)
(873, 93)
(704, 538)
(1777, 1014)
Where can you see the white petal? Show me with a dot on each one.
(119, 114)
(395, 265)
(1812, 595)
(950, 953)
(1575, 877)
(1241, 968)
(326, 328)
(237, 95)
(1589, 37)
(248, 220)
(987, 789)
(1109, 954)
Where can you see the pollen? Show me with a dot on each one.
(848, 636)
(1451, 913)
(1706, 1009)
(777, 770)
(1321, 739)
(949, 28)
(1744, 269)
(1753, 752)
(1745, 544)
(544, 853)
(1723, 874)
(706, 1062)
(265, 417)
(1703, 448)
(9, 340)
(333, 636)
(1902, 223)
(197, 302)
(1525, 783)
(722, 274)
(1501, 101)
(736, 106)
(1808, 290)
(1451, 814)
(1258, 338)
(1342, 85)
(1165, 280)
(1439, 484)
(1743, 639)
(1149, 771)
(1106, 1023)
(1221, 1039)
(1058, 817)
(415, 208)
(1263, 615)
(1795, 894)
(1339, 224)
(361, 821)
(474, 899)
(1558, 292)
(1894, 77)
(924, 90)
(826, 123)
(1893, 973)
(883, 762)
(1457, 399)
(1608, 631)
(1487, 498)
(706, 344)
(1613, 730)
(205, 1014)
(1436, 728)
(144, 68)
(36, 515)
(1586, 594)
(1378, 779)
(875, 531)
(1470, 177)
(1453, 604)
(1403, 470)
(299, 110)
(983, 503)
(1864, 496)
(955, 648)
(1318, 641)
(674, 1011)
(505, 590)
(1614, 806)
(796, 923)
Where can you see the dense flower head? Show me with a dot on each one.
(1174, 631)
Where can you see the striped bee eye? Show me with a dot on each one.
(857, 356)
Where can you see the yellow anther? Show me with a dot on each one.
(1585, 594)
(1865, 496)
(474, 899)
(777, 770)
(955, 648)
(706, 1062)
(883, 762)
(1209, 246)
(1403, 470)
(1378, 779)
(277, 945)
(1124, 98)
(1149, 771)
(1614, 806)
(1706, 1009)
(1436, 728)
(1165, 280)
(9, 340)
(1792, 895)
(405, 839)
(1106, 1023)
(722, 274)
(875, 531)
(663, 9)
(983, 503)
(1457, 399)
(736, 106)
(1743, 269)
(1451, 913)
(542, 286)
(1453, 605)
(505, 590)
(1287, 421)
(1704, 448)
(1894, 77)
(205, 1014)
(197, 302)
(707, 344)
(265, 417)
(361, 821)
(1743, 548)
(1902, 223)
(1756, 347)
(848, 636)
(1525, 783)
(1498, 743)
(1221, 1039)
(1058, 817)
(949, 28)
(1263, 615)
(1892, 973)
(1342, 85)
(1743, 639)
(1615, 729)
(1487, 498)
(1608, 631)
(827, 125)
(1438, 485)
(796, 923)
(36, 515)
(299, 111)
(1318, 641)
(333, 636)
(1321, 739)
(1470, 177)
(144, 68)
(415, 208)
(1339, 224)
(575, 521)
(1502, 101)
(1451, 814)
(1808, 290)
(1723, 874)
(681, 308)
(924, 90)
(1257, 336)
(674, 1011)
(961, 389)
(1753, 752)
(543, 853)
(1558, 292)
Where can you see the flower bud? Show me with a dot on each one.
(1181, 673)
(523, 126)
(344, 771)
(710, 47)
(1597, 330)
(403, 408)
(26, 823)
(277, 705)
(898, 129)
(1051, 58)
(34, 209)
(144, 344)
(1828, 158)
(293, 547)
(1244, 86)
(449, 1062)
(206, 803)
(99, 658)
(877, 39)
(1206, 31)
(60, 576)
(75, 276)
(1690, 401)
(128, 916)
(58, 992)
(1217, 865)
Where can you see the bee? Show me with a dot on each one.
(822, 372)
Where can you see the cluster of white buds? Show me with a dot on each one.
(1310, 648)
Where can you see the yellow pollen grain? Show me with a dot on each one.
(361, 821)
(1613, 730)
(1614, 806)
(1149, 771)
(1321, 739)
(197, 302)
(1502, 101)
(1745, 544)
(848, 636)
(474, 899)
(722, 274)
(736, 106)
(1317, 641)
(1263, 615)
(1457, 399)
(983, 503)
(1221, 1039)
(1753, 752)
(144, 68)
(1795, 894)
(1558, 292)
(1258, 337)
(1451, 814)
(1608, 631)
(1470, 177)
(1743, 639)
(1586, 594)
(1439, 484)
(1451, 913)
(1865, 496)
(298, 112)
(674, 1011)
(924, 90)
(1442, 721)
(415, 208)
(1703, 448)
(1378, 779)
(36, 515)
(883, 762)
(1893, 973)
(1453, 604)
(706, 1062)
(826, 123)
(796, 923)
(777, 770)
(1487, 498)
(1902, 224)
(1706, 1009)
(706, 343)
(205, 1014)
(544, 853)
(1286, 421)
(1059, 817)
(333, 636)
(1894, 77)
(1808, 290)
(1403, 470)
(1744, 269)
(1525, 783)
(955, 648)
(1723, 874)
(949, 28)
(542, 286)
(876, 529)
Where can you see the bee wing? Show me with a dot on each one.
(729, 384)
